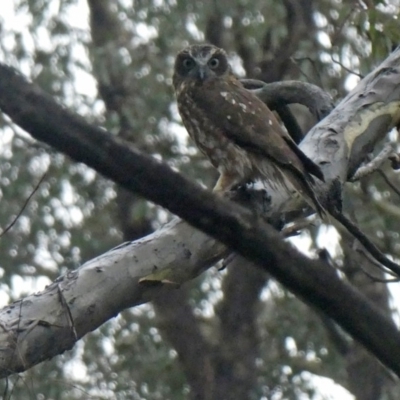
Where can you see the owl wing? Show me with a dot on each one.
(246, 120)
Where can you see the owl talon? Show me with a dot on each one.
(225, 183)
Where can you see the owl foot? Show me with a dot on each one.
(227, 182)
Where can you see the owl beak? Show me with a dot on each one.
(203, 72)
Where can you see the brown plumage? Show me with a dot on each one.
(234, 128)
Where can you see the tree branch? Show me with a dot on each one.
(177, 323)
(342, 140)
(375, 163)
(237, 317)
(39, 326)
(278, 94)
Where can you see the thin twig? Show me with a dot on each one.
(296, 60)
(345, 68)
(24, 206)
(364, 240)
(338, 27)
(388, 181)
(373, 262)
(377, 265)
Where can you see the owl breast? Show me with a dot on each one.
(226, 156)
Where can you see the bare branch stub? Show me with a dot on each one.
(374, 164)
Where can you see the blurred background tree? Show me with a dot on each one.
(230, 334)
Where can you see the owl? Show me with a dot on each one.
(235, 129)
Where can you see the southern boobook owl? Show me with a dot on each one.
(234, 128)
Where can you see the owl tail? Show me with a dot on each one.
(316, 204)
(304, 183)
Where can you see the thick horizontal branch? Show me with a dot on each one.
(230, 223)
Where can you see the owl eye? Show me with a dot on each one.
(188, 63)
(213, 63)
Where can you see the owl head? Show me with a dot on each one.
(200, 63)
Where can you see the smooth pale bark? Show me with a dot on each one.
(47, 323)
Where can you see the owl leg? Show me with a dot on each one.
(226, 182)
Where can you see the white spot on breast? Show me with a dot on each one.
(228, 97)
(243, 106)
(270, 122)
(228, 117)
